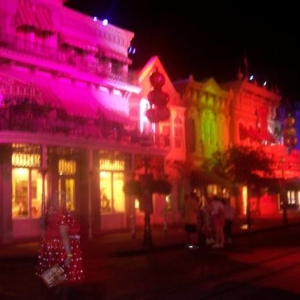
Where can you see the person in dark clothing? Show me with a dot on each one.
(229, 214)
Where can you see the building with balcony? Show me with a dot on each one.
(73, 125)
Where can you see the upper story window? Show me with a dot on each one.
(178, 132)
(191, 135)
(145, 125)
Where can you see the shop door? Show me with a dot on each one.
(67, 192)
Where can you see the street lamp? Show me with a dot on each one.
(157, 112)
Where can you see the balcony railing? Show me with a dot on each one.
(66, 56)
(35, 118)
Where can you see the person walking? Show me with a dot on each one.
(191, 208)
(229, 215)
(218, 222)
(207, 228)
(61, 245)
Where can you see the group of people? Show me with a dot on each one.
(211, 219)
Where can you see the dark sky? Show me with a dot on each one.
(212, 38)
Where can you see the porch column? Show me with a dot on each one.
(43, 172)
(90, 172)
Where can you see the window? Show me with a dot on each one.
(27, 186)
(66, 192)
(112, 197)
(178, 132)
(191, 135)
(27, 193)
(145, 125)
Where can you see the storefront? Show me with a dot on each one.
(89, 186)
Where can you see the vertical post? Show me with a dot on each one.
(132, 204)
(132, 216)
(248, 213)
(90, 172)
(148, 207)
(283, 196)
(43, 172)
(248, 208)
(165, 215)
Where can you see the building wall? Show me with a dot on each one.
(77, 67)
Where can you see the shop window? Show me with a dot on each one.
(27, 193)
(66, 192)
(118, 193)
(168, 203)
(105, 192)
(112, 197)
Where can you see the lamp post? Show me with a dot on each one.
(283, 196)
(157, 112)
(90, 178)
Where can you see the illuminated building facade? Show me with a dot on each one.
(73, 125)
(72, 122)
(240, 113)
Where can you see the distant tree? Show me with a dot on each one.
(242, 164)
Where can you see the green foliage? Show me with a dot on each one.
(162, 186)
(134, 188)
(241, 163)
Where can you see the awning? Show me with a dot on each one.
(76, 42)
(75, 101)
(34, 16)
(273, 184)
(105, 52)
(114, 115)
(44, 19)
(25, 15)
(292, 184)
(200, 177)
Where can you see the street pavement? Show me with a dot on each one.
(17, 261)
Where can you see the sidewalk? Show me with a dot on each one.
(123, 243)
(114, 261)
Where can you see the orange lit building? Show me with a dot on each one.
(239, 113)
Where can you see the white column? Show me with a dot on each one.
(90, 172)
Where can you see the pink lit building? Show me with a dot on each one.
(73, 124)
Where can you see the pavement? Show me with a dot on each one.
(123, 243)
(99, 252)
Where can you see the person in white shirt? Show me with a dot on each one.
(218, 221)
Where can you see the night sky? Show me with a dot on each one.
(210, 39)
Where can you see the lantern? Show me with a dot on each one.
(289, 132)
(158, 99)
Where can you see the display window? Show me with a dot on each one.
(27, 193)
(112, 197)
(66, 185)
